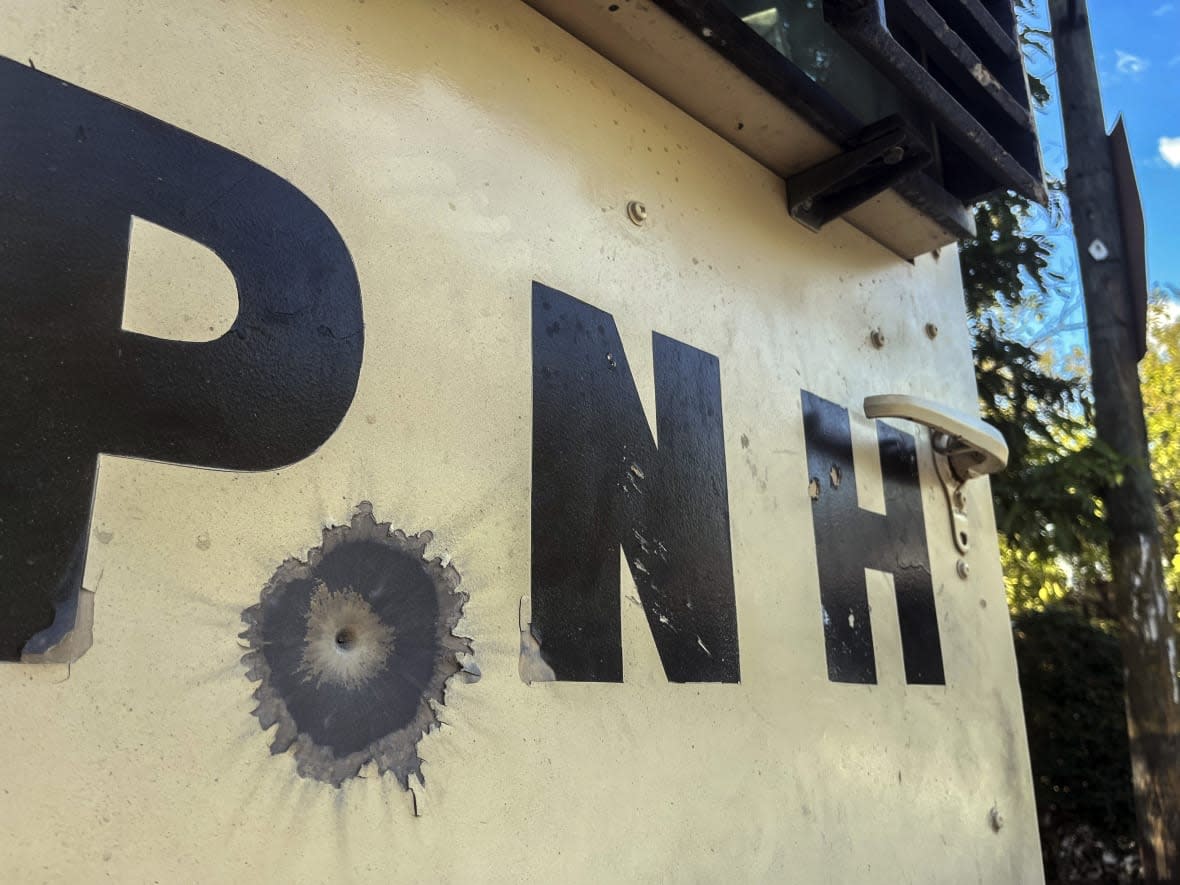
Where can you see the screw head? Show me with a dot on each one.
(878, 338)
(893, 155)
(931, 331)
(962, 569)
(637, 212)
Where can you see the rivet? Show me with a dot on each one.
(931, 331)
(962, 569)
(637, 212)
(878, 338)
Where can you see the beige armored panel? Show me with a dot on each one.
(429, 454)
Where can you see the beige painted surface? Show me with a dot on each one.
(464, 150)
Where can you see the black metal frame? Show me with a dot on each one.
(827, 190)
(984, 116)
(735, 41)
(984, 138)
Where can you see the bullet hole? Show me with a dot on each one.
(834, 476)
(813, 489)
(995, 819)
(352, 650)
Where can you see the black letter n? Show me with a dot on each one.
(599, 482)
(849, 540)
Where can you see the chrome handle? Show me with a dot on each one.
(964, 447)
(973, 447)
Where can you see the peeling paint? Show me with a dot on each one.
(532, 665)
(353, 648)
(75, 642)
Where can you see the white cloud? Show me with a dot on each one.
(1170, 151)
(1130, 64)
(1164, 9)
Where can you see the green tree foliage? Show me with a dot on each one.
(1050, 519)
(1047, 504)
(1046, 501)
(1032, 579)
(1052, 537)
(1160, 376)
(1053, 549)
(1071, 679)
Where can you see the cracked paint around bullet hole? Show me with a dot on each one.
(353, 649)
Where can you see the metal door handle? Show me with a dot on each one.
(973, 447)
(964, 447)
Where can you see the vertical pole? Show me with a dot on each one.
(1146, 620)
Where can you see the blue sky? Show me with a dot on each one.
(1138, 48)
